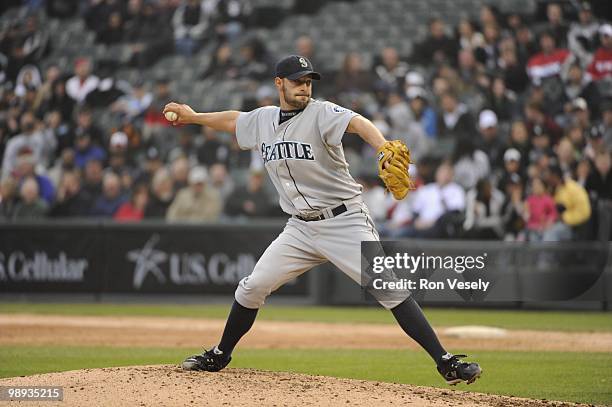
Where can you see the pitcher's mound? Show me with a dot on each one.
(168, 385)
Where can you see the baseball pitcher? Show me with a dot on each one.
(300, 143)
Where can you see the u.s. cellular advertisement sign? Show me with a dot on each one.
(132, 258)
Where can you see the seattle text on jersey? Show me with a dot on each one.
(281, 150)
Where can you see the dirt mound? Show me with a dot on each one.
(193, 332)
(168, 385)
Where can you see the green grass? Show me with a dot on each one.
(578, 377)
(538, 320)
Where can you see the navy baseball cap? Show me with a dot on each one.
(294, 67)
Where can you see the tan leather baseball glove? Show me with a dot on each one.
(393, 160)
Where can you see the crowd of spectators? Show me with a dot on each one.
(509, 120)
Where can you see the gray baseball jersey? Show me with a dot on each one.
(305, 160)
(303, 155)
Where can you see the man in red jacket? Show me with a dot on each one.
(549, 61)
(601, 66)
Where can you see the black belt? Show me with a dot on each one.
(335, 212)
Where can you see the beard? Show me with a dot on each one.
(293, 101)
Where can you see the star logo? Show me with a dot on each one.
(147, 262)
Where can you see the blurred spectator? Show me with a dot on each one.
(490, 141)
(512, 69)
(577, 136)
(469, 163)
(550, 61)
(59, 100)
(422, 111)
(514, 21)
(223, 64)
(352, 77)
(149, 34)
(191, 23)
(220, 180)
(489, 52)
(390, 70)
(65, 162)
(398, 114)
(152, 163)
(71, 200)
(599, 181)
(25, 168)
(455, 120)
(31, 206)
(601, 65)
(135, 104)
(578, 85)
(414, 83)
(231, 18)
(582, 36)
(213, 150)
(82, 82)
(468, 37)
(489, 15)
(432, 202)
(502, 101)
(46, 90)
(512, 168)
(97, 13)
(119, 160)
(162, 194)
(572, 203)
(514, 209)
(519, 140)
(186, 146)
(35, 39)
(582, 172)
(8, 198)
(41, 144)
(250, 200)
(540, 210)
(111, 199)
(468, 67)
(196, 202)
(28, 79)
(133, 210)
(93, 173)
(179, 170)
(438, 47)
(525, 44)
(57, 131)
(538, 121)
(113, 31)
(541, 147)
(483, 212)
(255, 62)
(156, 128)
(304, 46)
(85, 150)
(556, 24)
(86, 126)
(567, 157)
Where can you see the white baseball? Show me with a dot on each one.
(171, 116)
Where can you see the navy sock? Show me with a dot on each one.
(239, 321)
(412, 320)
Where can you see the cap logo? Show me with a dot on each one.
(303, 62)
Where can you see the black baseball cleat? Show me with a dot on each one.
(209, 361)
(454, 371)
